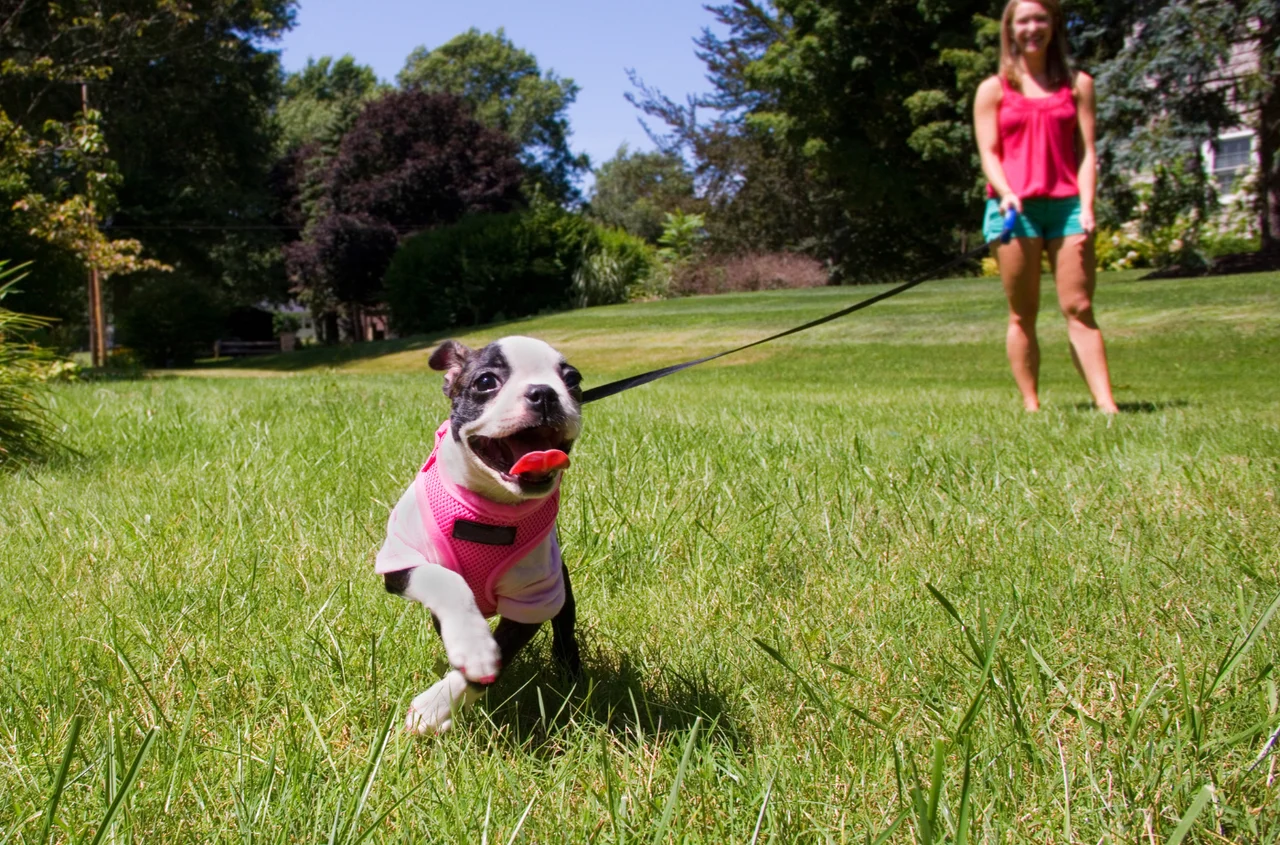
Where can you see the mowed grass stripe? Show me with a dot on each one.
(753, 549)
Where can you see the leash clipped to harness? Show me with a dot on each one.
(615, 387)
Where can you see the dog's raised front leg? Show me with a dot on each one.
(468, 642)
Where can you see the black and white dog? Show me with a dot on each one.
(474, 535)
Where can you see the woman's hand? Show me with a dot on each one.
(1087, 221)
(1012, 200)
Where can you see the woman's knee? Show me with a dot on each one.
(1024, 319)
(1079, 309)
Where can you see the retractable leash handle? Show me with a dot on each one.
(1010, 221)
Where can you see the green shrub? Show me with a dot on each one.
(26, 426)
(1118, 249)
(615, 266)
(487, 267)
(284, 322)
(1215, 245)
(683, 236)
(169, 320)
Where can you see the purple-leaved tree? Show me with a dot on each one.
(411, 161)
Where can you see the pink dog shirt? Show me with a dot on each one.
(482, 541)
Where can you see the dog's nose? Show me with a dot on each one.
(542, 397)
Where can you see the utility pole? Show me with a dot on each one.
(97, 321)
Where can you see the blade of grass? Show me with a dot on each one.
(177, 756)
(975, 706)
(1233, 659)
(399, 801)
(976, 660)
(935, 780)
(892, 828)
(371, 770)
(763, 805)
(155, 705)
(520, 823)
(60, 778)
(1078, 708)
(1066, 795)
(1189, 817)
(122, 790)
(673, 798)
(962, 819)
(782, 661)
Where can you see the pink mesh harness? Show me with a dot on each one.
(449, 511)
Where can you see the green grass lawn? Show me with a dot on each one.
(837, 587)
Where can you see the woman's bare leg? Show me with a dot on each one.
(1075, 275)
(1019, 262)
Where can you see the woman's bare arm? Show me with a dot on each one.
(1087, 176)
(986, 129)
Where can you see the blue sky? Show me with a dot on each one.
(592, 43)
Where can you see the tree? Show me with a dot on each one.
(757, 189)
(319, 103)
(507, 91)
(180, 98)
(634, 190)
(840, 79)
(411, 161)
(1181, 78)
(344, 257)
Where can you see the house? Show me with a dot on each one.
(1234, 153)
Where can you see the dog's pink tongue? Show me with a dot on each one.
(540, 463)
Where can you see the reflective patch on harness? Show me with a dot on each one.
(488, 535)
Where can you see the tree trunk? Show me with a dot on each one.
(1269, 144)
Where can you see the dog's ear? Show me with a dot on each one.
(449, 358)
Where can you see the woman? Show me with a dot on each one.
(1034, 123)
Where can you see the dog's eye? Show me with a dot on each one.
(572, 378)
(485, 382)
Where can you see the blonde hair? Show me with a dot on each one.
(1057, 61)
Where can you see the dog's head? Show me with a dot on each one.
(514, 398)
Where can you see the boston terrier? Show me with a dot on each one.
(474, 535)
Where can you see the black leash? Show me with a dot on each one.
(629, 382)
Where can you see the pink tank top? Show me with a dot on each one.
(479, 539)
(1038, 143)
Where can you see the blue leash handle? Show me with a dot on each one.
(1010, 220)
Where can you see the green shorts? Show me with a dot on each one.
(1041, 217)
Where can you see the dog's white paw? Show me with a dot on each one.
(432, 711)
(472, 650)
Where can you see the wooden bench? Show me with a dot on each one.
(244, 348)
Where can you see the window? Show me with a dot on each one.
(1232, 157)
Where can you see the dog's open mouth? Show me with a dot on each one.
(530, 456)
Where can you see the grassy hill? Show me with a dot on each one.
(835, 587)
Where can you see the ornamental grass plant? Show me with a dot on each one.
(27, 431)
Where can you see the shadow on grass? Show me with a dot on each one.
(323, 356)
(1140, 407)
(315, 357)
(535, 700)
